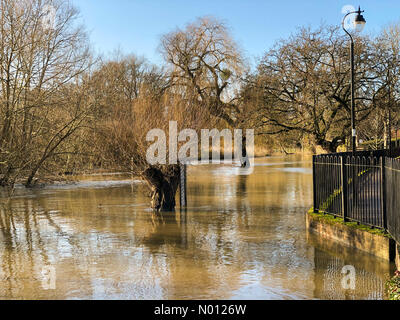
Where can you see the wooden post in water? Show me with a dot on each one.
(132, 174)
(132, 168)
(182, 185)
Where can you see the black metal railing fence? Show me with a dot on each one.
(361, 188)
(392, 188)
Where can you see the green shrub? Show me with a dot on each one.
(393, 287)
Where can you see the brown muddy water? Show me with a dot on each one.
(242, 237)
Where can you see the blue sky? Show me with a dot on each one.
(135, 26)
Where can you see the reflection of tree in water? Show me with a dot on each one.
(243, 205)
(21, 235)
(200, 258)
(168, 228)
(119, 252)
(35, 237)
(105, 243)
(241, 184)
(27, 247)
(249, 229)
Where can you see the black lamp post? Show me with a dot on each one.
(359, 23)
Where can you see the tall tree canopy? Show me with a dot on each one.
(205, 61)
(40, 108)
(302, 84)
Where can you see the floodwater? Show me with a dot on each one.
(241, 237)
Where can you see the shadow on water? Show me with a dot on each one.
(241, 237)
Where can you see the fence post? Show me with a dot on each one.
(343, 174)
(314, 185)
(182, 186)
(383, 192)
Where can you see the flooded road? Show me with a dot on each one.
(242, 237)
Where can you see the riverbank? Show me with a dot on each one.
(74, 175)
(373, 241)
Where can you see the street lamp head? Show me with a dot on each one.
(359, 21)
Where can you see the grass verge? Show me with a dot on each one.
(330, 219)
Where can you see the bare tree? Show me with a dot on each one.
(40, 62)
(302, 85)
(207, 64)
(385, 56)
(131, 98)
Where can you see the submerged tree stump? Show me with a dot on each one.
(163, 182)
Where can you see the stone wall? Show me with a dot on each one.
(376, 244)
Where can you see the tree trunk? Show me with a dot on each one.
(5, 179)
(163, 184)
(244, 159)
(28, 183)
(29, 180)
(330, 146)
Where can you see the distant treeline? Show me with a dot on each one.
(64, 109)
